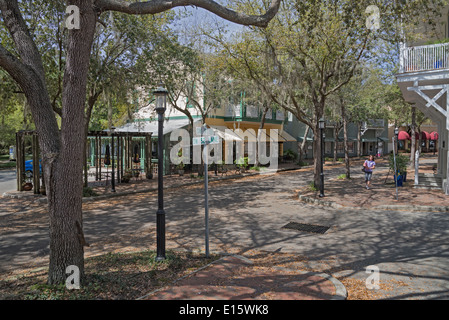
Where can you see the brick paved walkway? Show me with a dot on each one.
(233, 278)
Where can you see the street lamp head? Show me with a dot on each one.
(396, 131)
(322, 123)
(161, 98)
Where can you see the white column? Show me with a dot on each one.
(440, 165)
(446, 154)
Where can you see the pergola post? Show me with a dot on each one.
(147, 157)
(99, 158)
(20, 161)
(118, 159)
(36, 164)
(85, 163)
(96, 157)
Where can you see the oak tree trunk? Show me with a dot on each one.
(65, 198)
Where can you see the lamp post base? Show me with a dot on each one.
(160, 234)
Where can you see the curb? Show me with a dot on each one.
(412, 208)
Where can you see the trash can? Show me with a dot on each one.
(12, 153)
(400, 180)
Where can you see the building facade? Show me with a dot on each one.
(424, 81)
(371, 137)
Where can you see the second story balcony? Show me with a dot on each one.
(424, 58)
(252, 114)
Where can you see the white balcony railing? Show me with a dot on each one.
(422, 58)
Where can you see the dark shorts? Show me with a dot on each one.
(368, 176)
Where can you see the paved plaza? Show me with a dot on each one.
(408, 247)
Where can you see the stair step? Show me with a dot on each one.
(426, 187)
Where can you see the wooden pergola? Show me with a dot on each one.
(120, 156)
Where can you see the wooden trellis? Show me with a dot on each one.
(121, 155)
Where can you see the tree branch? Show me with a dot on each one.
(25, 45)
(158, 6)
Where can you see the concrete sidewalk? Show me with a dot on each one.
(234, 278)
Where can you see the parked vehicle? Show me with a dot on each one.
(29, 167)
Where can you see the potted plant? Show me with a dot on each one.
(27, 185)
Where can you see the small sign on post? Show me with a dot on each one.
(205, 140)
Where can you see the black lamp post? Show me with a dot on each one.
(322, 126)
(161, 100)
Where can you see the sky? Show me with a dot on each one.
(198, 18)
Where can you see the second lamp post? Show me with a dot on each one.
(322, 126)
(161, 100)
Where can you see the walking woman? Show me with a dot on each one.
(369, 167)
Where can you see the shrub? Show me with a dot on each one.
(242, 162)
(401, 162)
(290, 154)
(89, 192)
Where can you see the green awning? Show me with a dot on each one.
(373, 139)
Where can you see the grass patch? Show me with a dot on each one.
(9, 164)
(6, 164)
(108, 277)
(342, 176)
(302, 163)
(312, 187)
(89, 192)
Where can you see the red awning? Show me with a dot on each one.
(424, 135)
(434, 135)
(403, 135)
